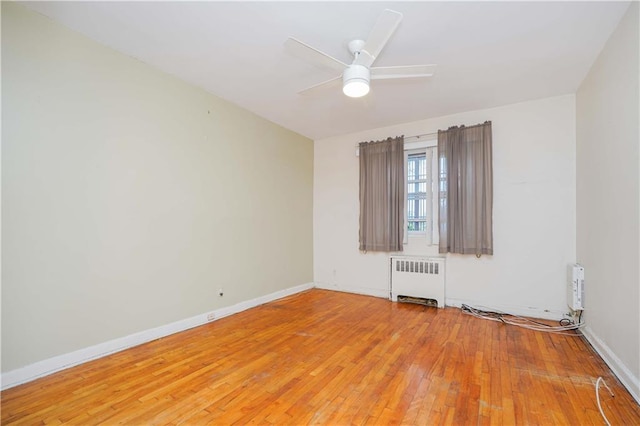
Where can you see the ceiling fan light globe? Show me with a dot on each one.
(355, 81)
(356, 88)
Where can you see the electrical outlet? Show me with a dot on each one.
(211, 316)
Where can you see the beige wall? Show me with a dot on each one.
(608, 196)
(534, 212)
(129, 198)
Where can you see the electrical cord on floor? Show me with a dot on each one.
(565, 322)
(565, 325)
(568, 321)
(600, 379)
(523, 322)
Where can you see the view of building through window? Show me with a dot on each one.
(417, 176)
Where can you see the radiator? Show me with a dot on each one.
(417, 278)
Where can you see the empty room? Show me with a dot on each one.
(320, 213)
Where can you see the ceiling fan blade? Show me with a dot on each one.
(336, 81)
(380, 34)
(407, 71)
(313, 55)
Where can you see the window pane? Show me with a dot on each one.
(417, 167)
(418, 226)
(422, 209)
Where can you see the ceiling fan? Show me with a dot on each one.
(356, 76)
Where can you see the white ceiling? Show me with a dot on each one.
(488, 53)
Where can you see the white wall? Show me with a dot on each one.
(534, 212)
(608, 198)
(129, 197)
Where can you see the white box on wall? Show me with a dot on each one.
(575, 287)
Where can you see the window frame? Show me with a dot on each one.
(430, 149)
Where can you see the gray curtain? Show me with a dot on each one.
(466, 189)
(382, 195)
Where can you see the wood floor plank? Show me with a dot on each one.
(323, 357)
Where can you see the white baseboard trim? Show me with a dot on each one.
(52, 365)
(510, 309)
(627, 378)
(356, 290)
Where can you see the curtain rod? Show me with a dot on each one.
(422, 135)
(435, 133)
(413, 137)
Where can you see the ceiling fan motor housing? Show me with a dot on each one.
(355, 81)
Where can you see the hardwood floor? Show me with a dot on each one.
(324, 357)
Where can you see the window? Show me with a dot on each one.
(421, 207)
(417, 192)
